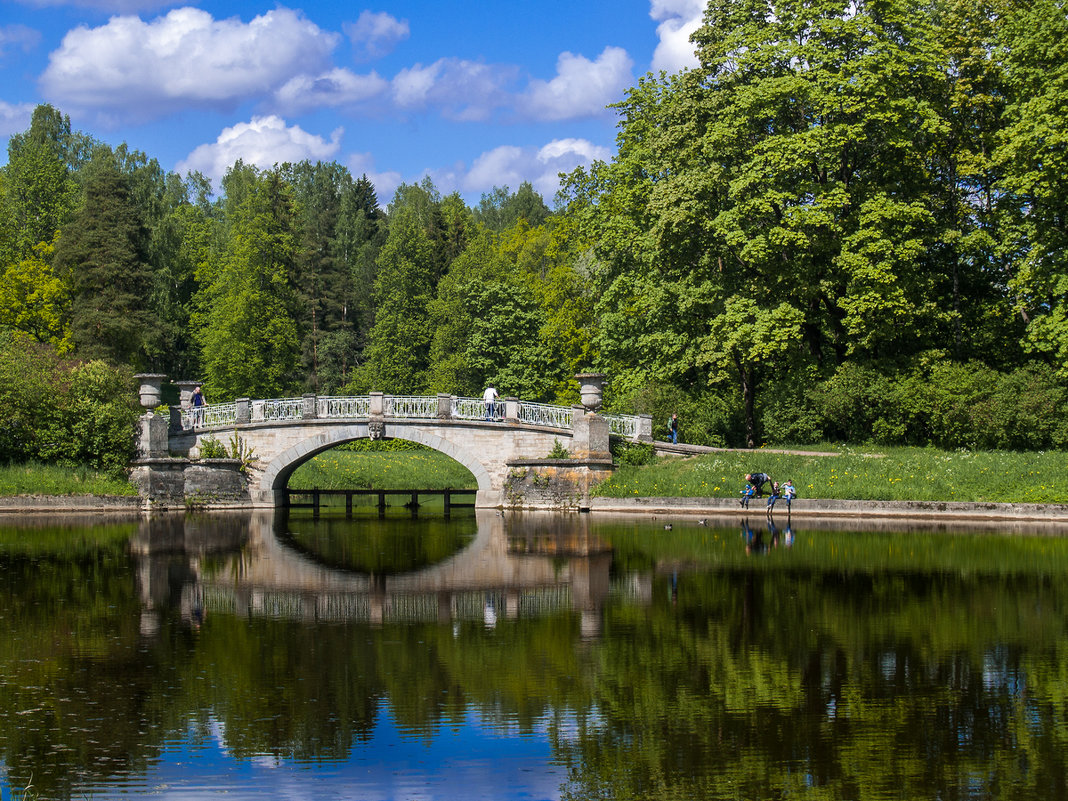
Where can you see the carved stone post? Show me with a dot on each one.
(444, 406)
(244, 410)
(645, 428)
(376, 425)
(152, 440)
(589, 436)
(310, 410)
(511, 410)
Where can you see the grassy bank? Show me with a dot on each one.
(392, 469)
(892, 474)
(38, 479)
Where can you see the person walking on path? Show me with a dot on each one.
(490, 397)
(673, 426)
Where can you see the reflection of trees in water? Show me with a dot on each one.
(763, 679)
(382, 547)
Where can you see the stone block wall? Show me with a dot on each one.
(555, 484)
(184, 484)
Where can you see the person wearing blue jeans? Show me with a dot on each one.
(490, 397)
(673, 426)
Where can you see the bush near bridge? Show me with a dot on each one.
(64, 412)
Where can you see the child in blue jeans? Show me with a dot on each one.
(747, 495)
(775, 495)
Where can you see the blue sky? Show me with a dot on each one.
(474, 94)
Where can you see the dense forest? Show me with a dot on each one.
(849, 223)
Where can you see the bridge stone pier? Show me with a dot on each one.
(503, 444)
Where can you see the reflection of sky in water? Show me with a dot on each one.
(473, 760)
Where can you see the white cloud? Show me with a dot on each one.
(336, 88)
(265, 141)
(17, 37)
(385, 183)
(678, 19)
(581, 88)
(375, 35)
(463, 90)
(15, 118)
(130, 68)
(510, 166)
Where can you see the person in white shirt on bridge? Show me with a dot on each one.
(490, 397)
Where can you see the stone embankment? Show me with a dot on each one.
(70, 503)
(913, 510)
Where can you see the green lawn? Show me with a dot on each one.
(38, 479)
(400, 469)
(857, 473)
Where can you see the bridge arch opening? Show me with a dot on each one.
(468, 471)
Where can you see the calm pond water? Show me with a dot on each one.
(530, 657)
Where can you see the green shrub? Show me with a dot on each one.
(211, 448)
(62, 411)
(635, 453)
(559, 451)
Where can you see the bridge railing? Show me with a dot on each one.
(219, 414)
(409, 406)
(344, 408)
(397, 406)
(622, 425)
(544, 414)
(277, 409)
(475, 409)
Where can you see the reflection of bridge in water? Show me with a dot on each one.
(537, 566)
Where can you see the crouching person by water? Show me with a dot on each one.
(757, 481)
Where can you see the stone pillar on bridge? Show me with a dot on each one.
(645, 428)
(377, 404)
(589, 436)
(511, 410)
(310, 410)
(244, 410)
(444, 406)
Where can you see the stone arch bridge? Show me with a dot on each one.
(493, 444)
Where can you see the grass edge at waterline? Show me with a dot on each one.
(884, 474)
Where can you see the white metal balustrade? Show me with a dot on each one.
(407, 406)
(475, 409)
(398, 406)
(622, 425)
(220, 414)
(278, 409)
(343, 408)
(544, 414)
